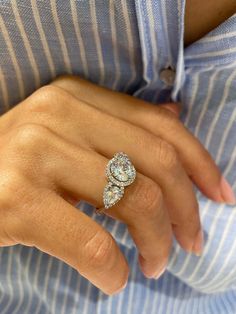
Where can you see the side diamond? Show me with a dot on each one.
(112, 194)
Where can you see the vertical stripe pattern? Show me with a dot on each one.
(124, 45)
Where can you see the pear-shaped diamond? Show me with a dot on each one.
(112, 194)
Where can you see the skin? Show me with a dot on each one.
(54, 149)
(202, 16)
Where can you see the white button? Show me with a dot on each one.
(167, 76)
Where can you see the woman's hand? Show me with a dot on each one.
(54, 149)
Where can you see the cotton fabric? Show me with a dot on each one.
(125, 45)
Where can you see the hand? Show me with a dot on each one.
(54, 149)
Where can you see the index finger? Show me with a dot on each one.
(196, 160)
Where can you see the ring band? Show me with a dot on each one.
(120, 172)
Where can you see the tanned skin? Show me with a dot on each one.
(202, 16)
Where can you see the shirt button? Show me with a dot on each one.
(167, 76)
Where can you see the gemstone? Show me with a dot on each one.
(112, 194)
(122, 169)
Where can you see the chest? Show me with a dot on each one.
(203, 16)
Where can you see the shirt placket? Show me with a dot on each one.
(160, 26)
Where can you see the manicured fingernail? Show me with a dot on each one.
(158, 275)
(198, 244)
(227, 192)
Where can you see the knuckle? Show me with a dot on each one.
(99, 249)
(63, 81)
(29, 137)
(48, 99)
(47, 93)
(168, 156)
(65, 77)
(149, 196)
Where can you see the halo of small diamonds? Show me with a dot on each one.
(120, 170)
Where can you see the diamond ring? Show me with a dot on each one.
(120, 172)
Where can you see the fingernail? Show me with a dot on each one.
(227, 192)
(198, 244)
(154, 275)
(157, 276)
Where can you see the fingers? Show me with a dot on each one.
(157, 160)
(153, 157)
(142, 207)
(196, 160)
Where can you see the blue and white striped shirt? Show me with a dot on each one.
(125, 45)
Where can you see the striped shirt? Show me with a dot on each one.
(125, 46)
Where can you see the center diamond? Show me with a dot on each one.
(122, 169)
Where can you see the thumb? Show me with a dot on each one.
(173, 107)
